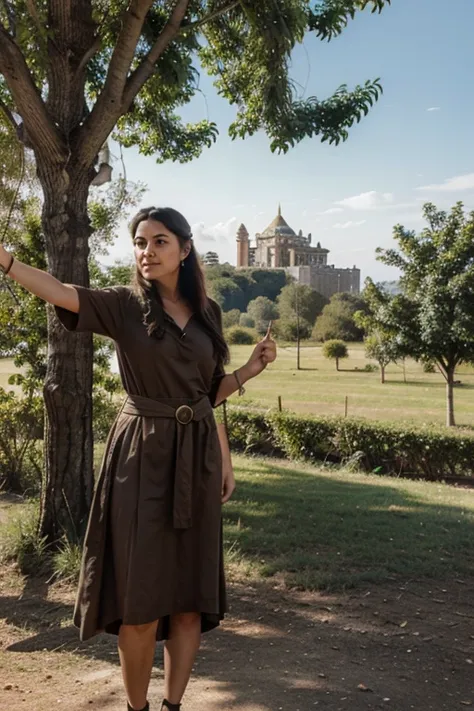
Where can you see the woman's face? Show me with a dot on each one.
(158, 252)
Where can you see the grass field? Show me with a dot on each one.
(317, 528)
(319, 389)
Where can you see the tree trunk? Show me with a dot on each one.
(450, 397)
(68, 475)
(337, 364)
(382, 373)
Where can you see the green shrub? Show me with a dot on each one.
(419, 452)
(240, 336)
(21, 424)
(429, 367)
(21, 542)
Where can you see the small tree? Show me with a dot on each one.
(383, 348)
(337, 319)
(299, 299)
(261, 310)
(335, 350)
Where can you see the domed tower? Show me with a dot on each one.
(242, 247)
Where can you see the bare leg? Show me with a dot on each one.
(136, 645)
(180, 652)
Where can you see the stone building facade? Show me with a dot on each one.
(279, 247)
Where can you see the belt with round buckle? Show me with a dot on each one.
(184, 414)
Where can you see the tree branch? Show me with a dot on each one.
(94, 48)
(125, 48)
(118, 91)
(107, 109)
(41, 131)
(144, 70)
(33, 12)
(211, 16)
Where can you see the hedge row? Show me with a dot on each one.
(420, 452)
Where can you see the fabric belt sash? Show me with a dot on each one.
(184, 412)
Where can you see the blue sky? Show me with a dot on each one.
(417, 144)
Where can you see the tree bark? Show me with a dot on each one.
(68, 476)
(337, 364)
(382, 373)
(450, 397)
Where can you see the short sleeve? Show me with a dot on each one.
(219, 371)
(101, 311)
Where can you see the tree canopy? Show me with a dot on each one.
(75, 70)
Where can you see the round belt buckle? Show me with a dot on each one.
(184, 414)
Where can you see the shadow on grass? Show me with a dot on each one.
(280, 649)
(324, 531)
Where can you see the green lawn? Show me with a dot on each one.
(318, 528)
(319, 389)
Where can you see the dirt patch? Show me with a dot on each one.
(400, 646)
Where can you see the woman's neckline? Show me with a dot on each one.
(183, 328)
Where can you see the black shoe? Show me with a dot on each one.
(145, 708)
(167, 705)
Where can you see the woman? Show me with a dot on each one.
(153, 563)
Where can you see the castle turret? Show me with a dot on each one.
(242, 247)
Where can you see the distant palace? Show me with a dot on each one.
(279, 247)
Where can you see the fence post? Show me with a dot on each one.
(346, 403)
(279, 403)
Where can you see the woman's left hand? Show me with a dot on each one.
(228, 483)
(264, 353)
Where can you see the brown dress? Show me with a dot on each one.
(153, 546)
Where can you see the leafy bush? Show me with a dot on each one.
(422, 452)
(21, 424)
(429, 367)
(240, 336)
(20, 541)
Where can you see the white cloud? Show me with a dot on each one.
(452, 185)
(434, 108)
(367, 201)
(331, 211)
(220, 232)
(347, 225)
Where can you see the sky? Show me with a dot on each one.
(416, 145)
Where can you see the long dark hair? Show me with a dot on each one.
(191, 285)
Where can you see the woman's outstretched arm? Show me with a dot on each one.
(40, 283)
